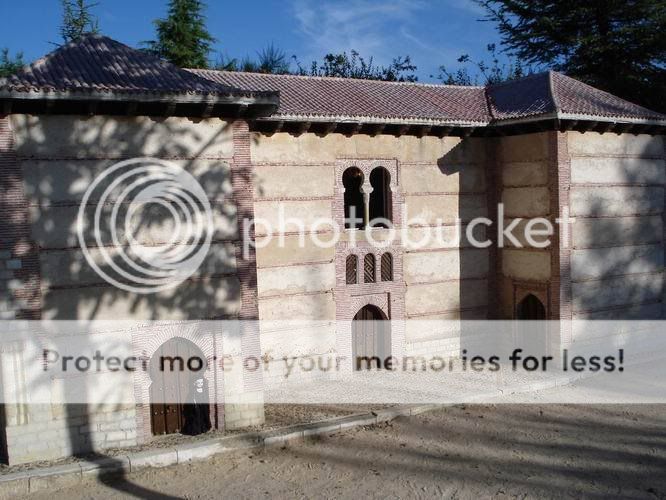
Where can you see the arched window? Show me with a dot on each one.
(387, 267)
(369, 268)
(352, 269)
(380, 197)
(352, 179)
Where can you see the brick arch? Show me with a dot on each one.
(147, 340)
(366, 166)
(380, 303)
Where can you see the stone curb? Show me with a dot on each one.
(63, 476)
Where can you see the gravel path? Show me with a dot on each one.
(498, 451)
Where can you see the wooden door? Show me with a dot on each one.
(172, 384)
(371, 339)
(530, 308)
(532, 334)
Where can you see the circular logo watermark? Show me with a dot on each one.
(145, 225)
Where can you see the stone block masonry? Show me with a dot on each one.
(617, 197)
(47, 438)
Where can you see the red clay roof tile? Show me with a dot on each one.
(100, 64)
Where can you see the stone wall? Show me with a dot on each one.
(59, 157)
(614, 268)
(46, 165)
(438, 179)
(524, 185)
(613, 186)
(77, 430)
(446, 280)
(617, 198)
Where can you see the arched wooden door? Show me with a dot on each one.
(530, 308)
(371, 338)
(173, 383)
(532, 334)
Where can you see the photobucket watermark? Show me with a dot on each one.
(415, 232)
(145, 225)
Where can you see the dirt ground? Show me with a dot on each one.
(498, 451)
(277, 416)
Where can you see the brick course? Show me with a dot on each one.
(19, 255)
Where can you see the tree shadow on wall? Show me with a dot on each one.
(617, 257)
(58, 158)
(466, 295)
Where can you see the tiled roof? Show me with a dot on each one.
(577, 98)
(305, 96)
(99, 64)
(555, 93)
(529, 96)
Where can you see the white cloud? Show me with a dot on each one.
(441, 54)
(469, 6)
(369, 27)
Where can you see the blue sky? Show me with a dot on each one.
(431, 32)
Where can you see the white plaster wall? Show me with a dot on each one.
(441, 179)
(296, 279)
(319, 306)
(59, 136)
(445, 265)
(429, 298)
(60, 156)
(310, 148)
(293, 181)
(617, 196)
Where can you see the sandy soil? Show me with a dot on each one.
(498, 451)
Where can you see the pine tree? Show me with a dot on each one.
(182, 38)
(77, 20)
(616, 45)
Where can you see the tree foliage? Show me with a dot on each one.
(8, 64)
(77, 20)
(342, 65)
(355, 66)
(182, 38)
(485, 73)
(616, 45)
(269, 60)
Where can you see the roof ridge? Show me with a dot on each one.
(553, 94)
(597, 90)
(103, 64)
(60, 48)
(338, 78)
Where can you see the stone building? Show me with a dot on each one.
(309, 148)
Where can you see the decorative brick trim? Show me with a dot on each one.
(663, 230)
(367, 166)
(388, 296)
(493, 197)
(242, 182)
(20, 280)
(559, 184)
(145, 342)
